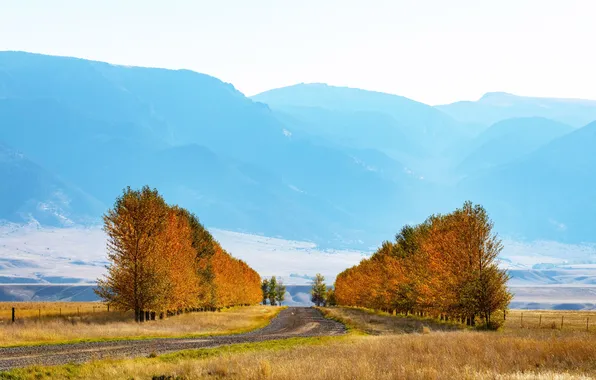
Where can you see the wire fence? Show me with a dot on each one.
(13, 312)
(555, 320)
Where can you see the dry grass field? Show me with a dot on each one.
(378, 323)
(551, 319)
(400, 350)
(98, 324)
(48, 309)
(434, 355)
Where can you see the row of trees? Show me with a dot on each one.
(274, 291)
(444, 267)
(164, 261)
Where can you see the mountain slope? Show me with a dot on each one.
(548, 194)
(497, 106)
(29, 192)
(509, 140)
(103, 127)
(420, 123)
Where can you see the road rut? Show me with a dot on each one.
(291, 322)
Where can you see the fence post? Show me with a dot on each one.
(561, 322)
(588, 324)
(60, 311)
(78, 312)
(13, 314)
(522, 319)
(108, 308)
(540, 321)
(38, 313)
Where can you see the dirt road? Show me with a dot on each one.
(291, 322)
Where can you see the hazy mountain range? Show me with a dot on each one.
(332, 165)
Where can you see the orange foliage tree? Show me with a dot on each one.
(163, 260)
(445, 267)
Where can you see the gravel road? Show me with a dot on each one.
(291, 322)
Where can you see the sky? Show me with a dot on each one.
(434, 51)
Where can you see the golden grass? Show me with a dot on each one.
(48, 309)
(404, 348)
(117, 325)
(436, 355)
(376, 322)
(551, 319)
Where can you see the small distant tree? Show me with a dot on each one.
(280, 292)
(272, 293)
(265, 290)
(318, 291)
(330, 301)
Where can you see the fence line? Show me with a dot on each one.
(14, 314)
(568, 322)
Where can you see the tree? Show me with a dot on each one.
(132, 226)
(331, 301)
(445, 266)
(265, 290)
(319, 290)
(163, 260)
(177, 260)
(272, 293)
(280, 292)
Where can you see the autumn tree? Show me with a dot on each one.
(138, 216)
(162, 259)
(318, 291)
(446, 266)
(179, 283)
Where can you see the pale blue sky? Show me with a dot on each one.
(435, 51)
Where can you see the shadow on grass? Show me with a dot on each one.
(379, 323)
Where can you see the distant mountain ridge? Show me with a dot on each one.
(496, 106)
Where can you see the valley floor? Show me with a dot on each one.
(404, 348)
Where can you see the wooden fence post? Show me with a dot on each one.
(13, 314)
(60, 311)
(540, 321)
(108, 308)
(38, 313)
(561, 322)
